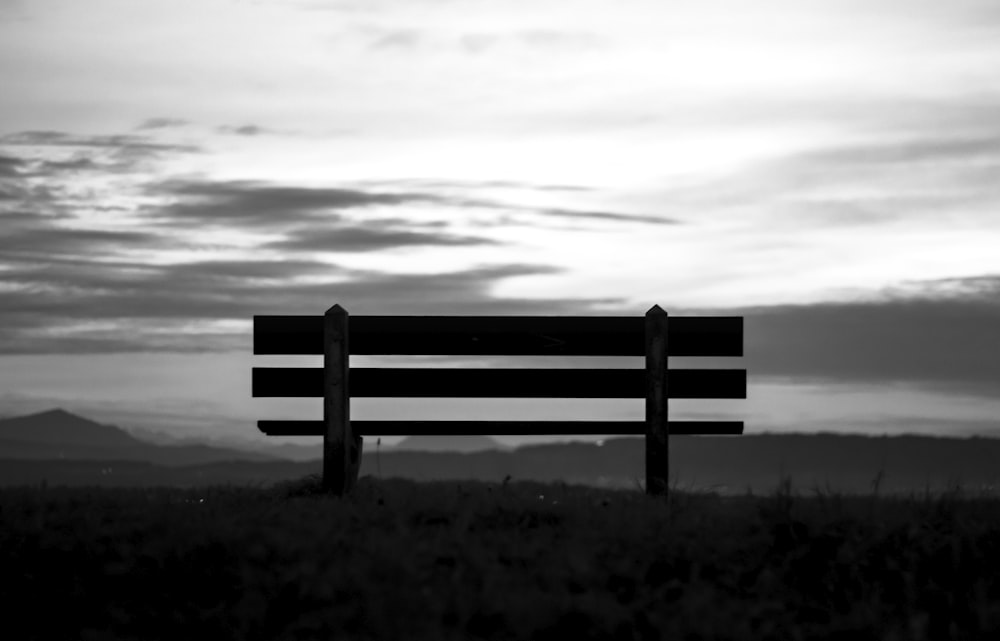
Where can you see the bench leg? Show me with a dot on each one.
(657, 424)
(341, 447)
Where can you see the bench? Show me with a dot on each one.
(336, 336)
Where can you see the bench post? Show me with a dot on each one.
(341, 447)
(657, 425)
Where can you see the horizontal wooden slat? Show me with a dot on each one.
(502, 335)
(501, 428)
(499, 383)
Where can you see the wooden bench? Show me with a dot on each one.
(335, 335)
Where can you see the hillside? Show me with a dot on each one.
(850, 464)
(58, 428)
(61, 435)
(63, 447)
(470, 443)
(728, 464)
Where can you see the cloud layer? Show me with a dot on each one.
(558, 158)
(85, 274)
(943, 340)
(160, 270)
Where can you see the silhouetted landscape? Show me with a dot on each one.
(61, 448)
(461, 321)
(518, 560)
(61, 435)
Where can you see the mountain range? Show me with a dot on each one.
(294, 452)
(60, 447)
(61, 435)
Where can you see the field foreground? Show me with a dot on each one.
(406, 560)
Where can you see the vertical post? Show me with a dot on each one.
(657, 425)
(341, 447)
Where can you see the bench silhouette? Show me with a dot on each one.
(336, 336)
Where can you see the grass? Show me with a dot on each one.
(512, 560)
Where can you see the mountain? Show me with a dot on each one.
(286, 451)
(61, 435)
(847, 463)
(59, 428)
(155, 437)
(730, 465)
(299, 453)
(461, 444)
(65, 448)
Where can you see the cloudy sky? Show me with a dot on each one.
(829, 170)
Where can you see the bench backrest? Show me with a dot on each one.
(336, 335)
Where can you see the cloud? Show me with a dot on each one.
(86, 307)
(369, 237)
(215, 272)
(244, 130)
(565, 40)
(956, 148)
(550, 40)
(944, 344)
(946, 335)
(261, 204)
(607, 216)
(479, 42)
(40, 240)
(47, 154)
(53, 174)
(79, 163)
(538, 214)
(938, 335)
(42, 200)
(536, 211)
(76, 283)
(477, 184)
(406, 39)
(162, 123)
(53, 169)
(33, 187)
(11, 167)
(476, 43)
(892, 177)
(64, 290)
(253, 203)
(122, 143)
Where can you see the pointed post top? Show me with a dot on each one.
(656, 310)
(336, 310)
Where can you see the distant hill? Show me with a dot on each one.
(282, 451)
(729, 465)
(59, 428)
(849, 463)
(61, 435)
(288, 451)
(468, 443)
(65, 448)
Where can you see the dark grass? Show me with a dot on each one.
(519, 560)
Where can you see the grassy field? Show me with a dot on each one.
(407, 560)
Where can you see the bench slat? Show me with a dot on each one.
(501, 335)
(501, 428)
(301, 382)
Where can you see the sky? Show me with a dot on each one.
(829, 170)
